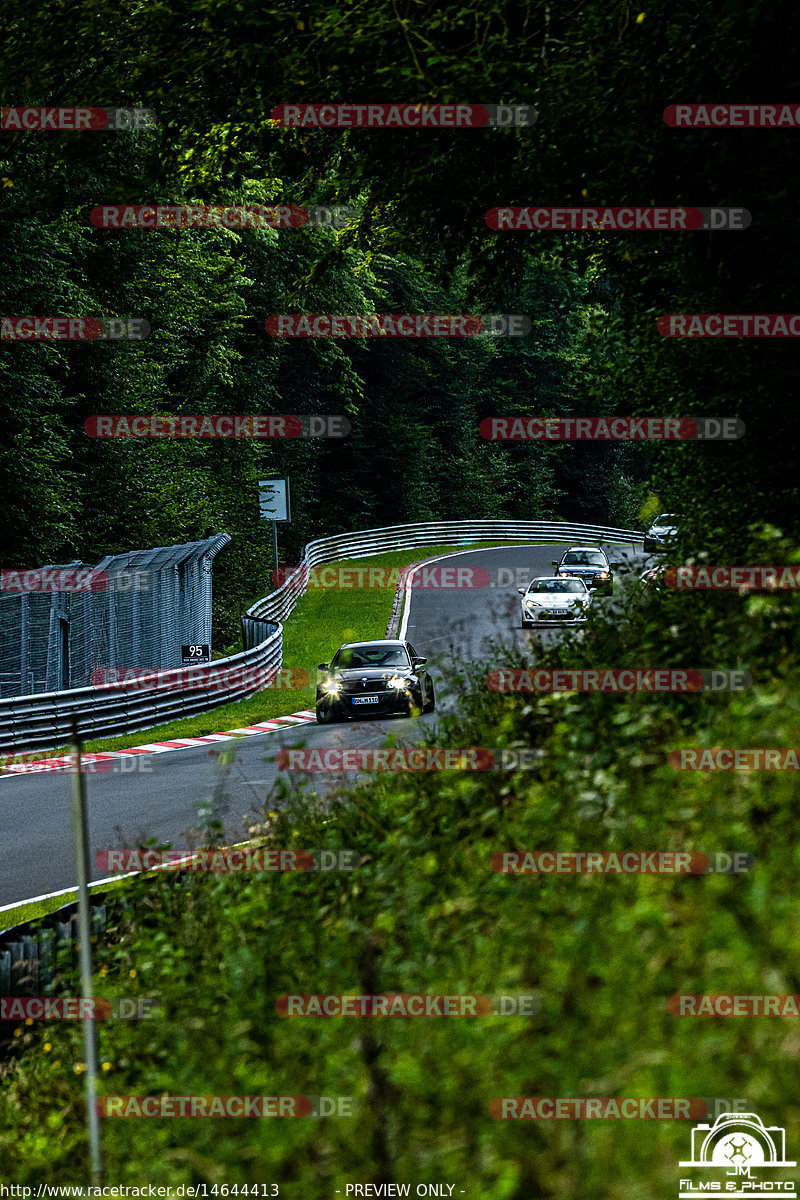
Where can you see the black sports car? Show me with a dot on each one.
(384, 677)
(589, 563)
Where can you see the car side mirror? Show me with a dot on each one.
(324, 667)
(419, 662)
(592, 590)
(555, 561)
(522, 591)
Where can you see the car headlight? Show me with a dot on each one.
(398, 682)
(331, 687)
(602, 575)
(529, 603)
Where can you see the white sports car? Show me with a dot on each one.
(553, 600)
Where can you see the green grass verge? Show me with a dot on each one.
(33, 910)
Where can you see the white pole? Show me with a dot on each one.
(80, 831)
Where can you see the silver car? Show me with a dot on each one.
(553, 600)
(661, 532)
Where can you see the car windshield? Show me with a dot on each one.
(355, 658)
(556, 585)
(666, 519)
(584, 558)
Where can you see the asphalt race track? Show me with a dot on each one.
(233, 780)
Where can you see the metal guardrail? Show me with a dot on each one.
(43, 722)
(280, 603)
(34, 954)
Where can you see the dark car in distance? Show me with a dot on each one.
(589, 563)
(381, 677)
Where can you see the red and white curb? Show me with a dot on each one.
(63, 764)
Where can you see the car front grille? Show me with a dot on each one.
(357, 688)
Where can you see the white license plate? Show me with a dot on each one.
(365, 699)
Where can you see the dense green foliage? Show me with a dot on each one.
(599, 77)
(414, 452)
